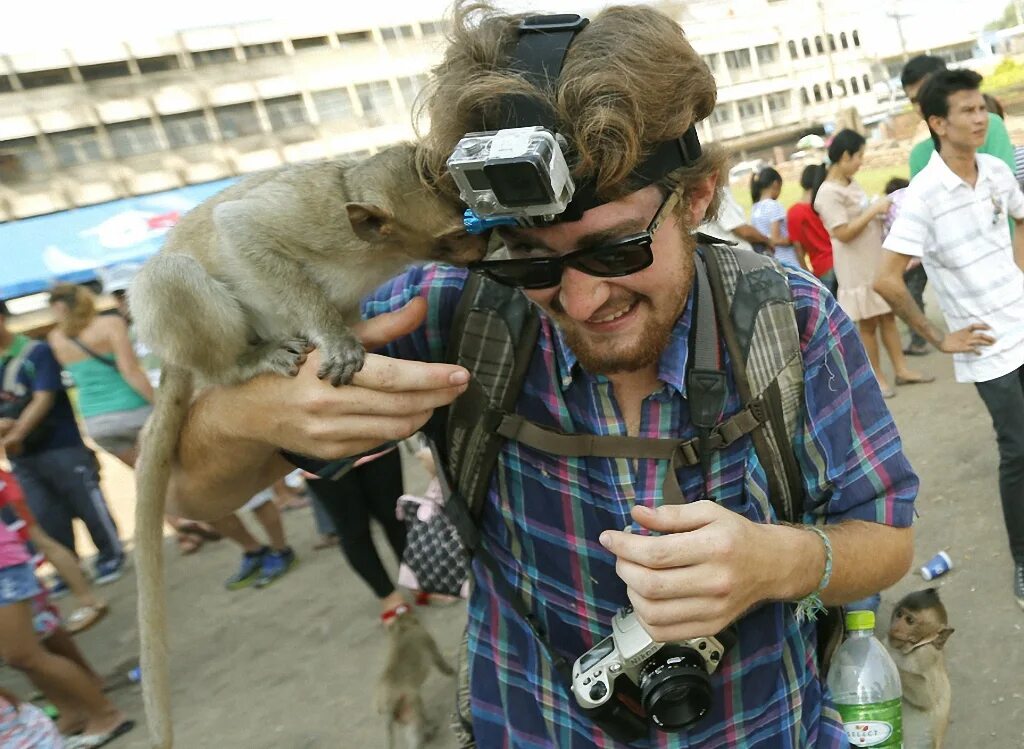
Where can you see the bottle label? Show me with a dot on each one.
(879, 724)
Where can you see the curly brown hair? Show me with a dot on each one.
(614, 100)
(81, 304)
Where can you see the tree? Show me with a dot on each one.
(1010, 18)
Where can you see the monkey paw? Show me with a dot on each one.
(287, 356)
(342, 358)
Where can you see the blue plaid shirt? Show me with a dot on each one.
(544, 514)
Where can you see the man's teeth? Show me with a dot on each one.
(614, 316)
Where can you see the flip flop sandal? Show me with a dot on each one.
(82, 618)
(924, 380)
(189, 543)
(96, 740)
(193, 528)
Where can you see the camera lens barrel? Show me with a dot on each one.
(675, 689)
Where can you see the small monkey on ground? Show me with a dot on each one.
(249, 282)
(918, 633)
(411, 652)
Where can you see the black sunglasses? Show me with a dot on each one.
(623, 257)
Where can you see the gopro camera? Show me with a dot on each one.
(669, 682)
(517, 175)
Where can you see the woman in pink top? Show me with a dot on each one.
(75, 690)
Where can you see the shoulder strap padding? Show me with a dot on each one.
(14, 365)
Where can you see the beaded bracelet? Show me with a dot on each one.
(811, 605)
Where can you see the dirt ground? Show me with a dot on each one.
(294, 666)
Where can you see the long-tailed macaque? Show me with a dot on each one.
(917, 635)
(249, 282)
(411, 652)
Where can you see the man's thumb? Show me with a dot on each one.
(676, 518)
(384, 328)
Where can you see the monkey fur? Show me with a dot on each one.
(411, 652)
(250, 281)
(918, 632)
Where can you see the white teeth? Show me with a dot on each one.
(615, 316)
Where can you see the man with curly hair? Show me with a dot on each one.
(611, 359)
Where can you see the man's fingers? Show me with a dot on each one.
(400, 375)
(680, 581)
(978, 326)
(656, 552)
(359, 401)
(676, 518)
(388, 326)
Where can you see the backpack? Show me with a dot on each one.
(494, 333)
(15, 397)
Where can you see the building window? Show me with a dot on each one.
(721, 114)
(867, 83)
(750, 108)
(186, 129)
(158, 64)
(213, 57)
(854, 85)
(133, 138)
(711, 61)
(410, 86)
(792, 50)
(286, 111)
(831, 43)
(41, 78)
(778, 102)
(843, 41)
(767, 53)
(77, 146)
(737, 59)
(841, 85)
(310, 42)
(237, 120)
(20, 159)
(805, 97)
(5, 84)
(394, 33)
(817, 93)
(807, 48)
(267, 49)
(334, 105)
(856, 38)
(430, 28)
(818, 45)
(354, 37)
(104, 70)
(828, 91)
(379, 105)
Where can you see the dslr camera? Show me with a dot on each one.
(512, 176)
(668, 683)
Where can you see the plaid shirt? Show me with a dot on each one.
(542, 527)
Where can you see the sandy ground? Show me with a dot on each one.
(294, 666)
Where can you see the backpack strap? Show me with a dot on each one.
(98, 357)
(12, 366)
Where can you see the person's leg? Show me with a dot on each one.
(894, 347)
(280, 559)
(232, 528)
(916, 279)
(324, 525)
(268, 515)
(50, 510)
(382, 486)
(868, 329)
(61, 643)
(66, 565)
(253, 552)
(1004, 398)
(343, 500)
(76, 476)
(61, 680)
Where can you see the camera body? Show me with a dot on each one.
(513, 175)
(669, 681)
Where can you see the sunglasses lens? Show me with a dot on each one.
(527, 274)
(616, 261)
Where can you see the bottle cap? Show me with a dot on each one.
(859, 620)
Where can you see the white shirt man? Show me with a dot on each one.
(731, 224)
(962, 236)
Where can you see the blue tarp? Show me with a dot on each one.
(74, 245)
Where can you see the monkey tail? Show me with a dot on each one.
(152, 477)
(442, 665)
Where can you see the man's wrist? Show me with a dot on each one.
(801, 562)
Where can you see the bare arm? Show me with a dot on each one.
(889, 284)
(752, 235)
(124, 356)
(777, 236)
(33, 414)
(1018, 242)
(851, 230)
(229, 446)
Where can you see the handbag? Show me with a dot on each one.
(434, 560)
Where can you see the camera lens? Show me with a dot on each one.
(675, 687)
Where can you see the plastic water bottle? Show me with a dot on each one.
(865, 686)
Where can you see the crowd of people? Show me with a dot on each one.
(610, 361)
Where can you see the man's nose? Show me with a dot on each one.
(581, 294)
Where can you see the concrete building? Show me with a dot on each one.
(98, 121)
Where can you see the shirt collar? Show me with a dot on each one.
(951, 180)
(20, 339)
(671, 365)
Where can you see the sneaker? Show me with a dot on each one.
(275, 565)
(58, 589)
(109, 570)
(1018, 584)
(252, 562)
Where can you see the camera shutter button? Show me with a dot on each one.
(598, 691)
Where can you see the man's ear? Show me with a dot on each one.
(370, 222)
(700, 194)
(936, 124)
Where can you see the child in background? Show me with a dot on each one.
(809, 235)
(915, 276)
(25, 726)
(769, 217)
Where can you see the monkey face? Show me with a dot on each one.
(459, 247)
(919, 619)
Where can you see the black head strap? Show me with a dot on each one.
(538, 56)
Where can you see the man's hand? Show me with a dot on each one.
(967, 340)
(709, 566)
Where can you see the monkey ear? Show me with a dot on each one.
(370, 222)
(940, 639)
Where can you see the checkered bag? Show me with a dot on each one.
(434, 560)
